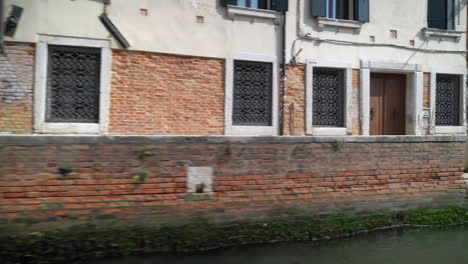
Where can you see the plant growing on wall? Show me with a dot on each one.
(338, 145)
(141, 177)
(142, 154)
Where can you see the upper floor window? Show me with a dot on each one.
(441, 14)
(276, 5)
(340, 9)
(262, 4)
(357, 10)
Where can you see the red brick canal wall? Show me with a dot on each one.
(252, 177)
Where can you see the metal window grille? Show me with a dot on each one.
(73, 80)
(328, 97)
(447, 100)
(252, 93)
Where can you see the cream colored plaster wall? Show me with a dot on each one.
(171, 27)
(408, 18)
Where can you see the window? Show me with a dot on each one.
(441, 14)
(448, 104)
(276, 5)
(72, 85)
(340, 9)
(262, 4)
(252, 95)
(328, 96)
(357, 10)
(447, 100)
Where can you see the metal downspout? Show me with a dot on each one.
(283, 101)
(2, 26)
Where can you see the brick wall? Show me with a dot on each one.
(16, 88)
(253, 177)
(426, 101)
(166, 94)
(296, 95)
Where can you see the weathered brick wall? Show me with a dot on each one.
(16, 88)
(253, 177)
(355, 103)
(296, 95)
(426, 101)
(166, 94)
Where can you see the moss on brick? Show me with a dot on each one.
(87, 242)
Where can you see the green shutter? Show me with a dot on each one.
(279, 5)
(437, 14)
(319, 8)
(229, 2)
(361, 10)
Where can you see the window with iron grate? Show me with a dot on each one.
(252, 93)
(328, 97)
(447, 100)
(73, 81)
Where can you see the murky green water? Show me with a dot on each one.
(410, 246)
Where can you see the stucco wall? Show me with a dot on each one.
(407, 17)
(171, 27)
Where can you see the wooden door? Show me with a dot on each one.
(387, 104)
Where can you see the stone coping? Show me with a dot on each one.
(41, 140)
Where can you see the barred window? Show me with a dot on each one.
(73, 81)
(328, 97)
(252, 93)
(447, 100)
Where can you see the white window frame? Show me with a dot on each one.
(229, 128)
(348, 90)
(40, 89)
(461, 129)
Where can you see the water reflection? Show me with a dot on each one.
(410, 246)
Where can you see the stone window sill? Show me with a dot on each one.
(339, 23)
(442, 33)
(234, 11)
(450, 130)
(329, 131)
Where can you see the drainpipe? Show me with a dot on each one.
(2, 49)
(285, 67)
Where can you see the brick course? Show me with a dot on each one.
(253, 177)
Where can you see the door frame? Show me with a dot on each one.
(414, 92)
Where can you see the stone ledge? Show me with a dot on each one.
(234, 11)
(41, 140)
(442, 33)
(339, 24)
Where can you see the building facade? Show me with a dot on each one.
(352, 68)
(158, 110)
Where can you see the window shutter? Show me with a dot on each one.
(319, 8)
(436, 14)
(229, 2)
(361, 10)
(279, 5)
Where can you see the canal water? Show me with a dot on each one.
(400, 246)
